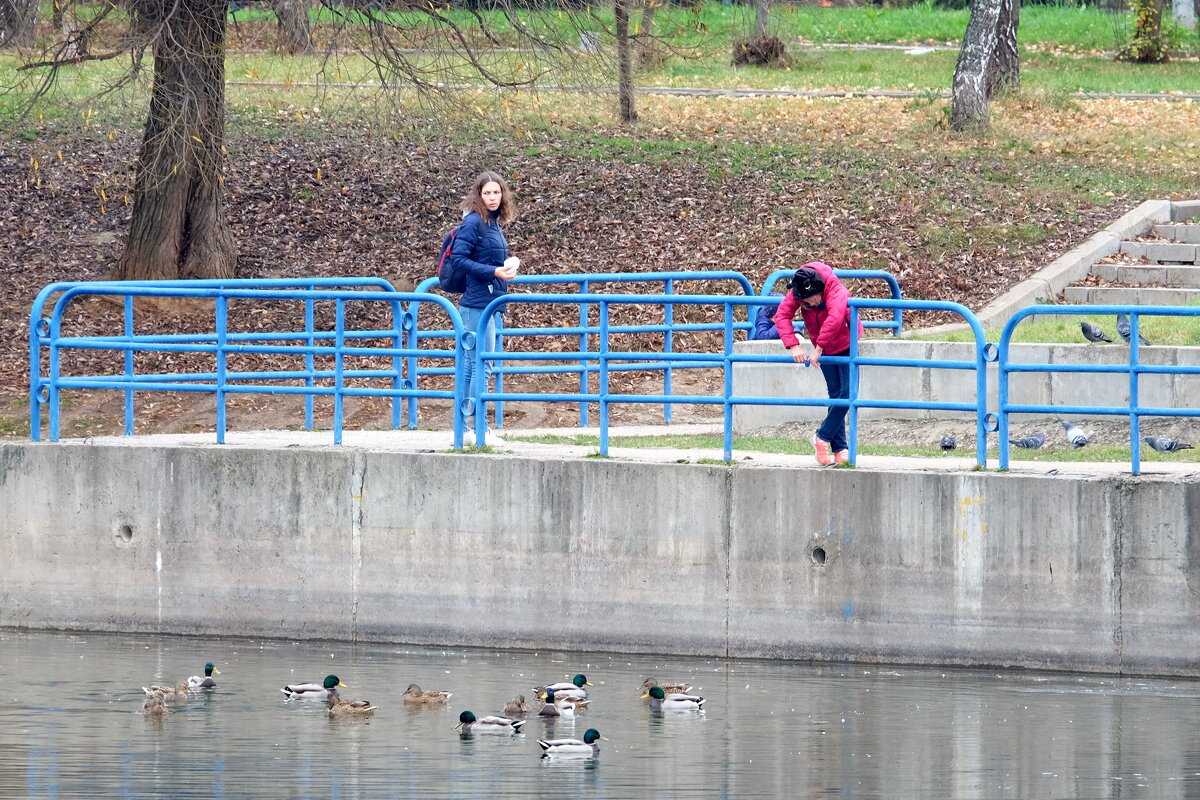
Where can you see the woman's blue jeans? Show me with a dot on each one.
(837, 381)
(470, 318)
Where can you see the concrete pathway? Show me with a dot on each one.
(440, 441)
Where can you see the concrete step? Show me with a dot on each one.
(1163, 252)
(1138, 274)
(1185, 210)
(1132, 296)
(1188, 234)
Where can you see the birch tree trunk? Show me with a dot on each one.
(1004, 74)
(178, 228)
(969, 97)
(295, 27)
(18, 24)
(628, 112)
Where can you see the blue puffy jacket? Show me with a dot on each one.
(478, 250)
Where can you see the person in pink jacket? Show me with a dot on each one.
(824, 303)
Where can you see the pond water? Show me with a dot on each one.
(71, 726)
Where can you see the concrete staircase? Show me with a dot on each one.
(1160, 267)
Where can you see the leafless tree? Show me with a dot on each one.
(18, 23)
(969, 93)
(625, 98)
(295, 27)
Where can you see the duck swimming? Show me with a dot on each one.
(587, 747)
(469, 724)
(668, 688)
(517, 707)
(341, 707)
(317, 691)
(177, 694)
(205, 682)
(661, 701)
(415, 696)
(576, 688)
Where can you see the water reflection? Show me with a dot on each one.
(72, 726)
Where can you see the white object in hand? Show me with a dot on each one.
(512, 262)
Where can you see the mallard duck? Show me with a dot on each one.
(661, 701)
(205, 682)
(339, 706)
(554, 707)
(469, 724)
(517, 707)
(669, 688)
(317, 691)
(155, 706)
(414, 695)
(583, 748)
(176, 694)
(573, 689)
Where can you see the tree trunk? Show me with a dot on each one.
(645, 34)
(295, 27)
(56, 16)
(1004, 74)
(1148, 46)
(628, 111)
(968, 101)
(760, 20)
(18, 23)
(178, 229)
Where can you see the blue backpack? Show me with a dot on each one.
(450, 279)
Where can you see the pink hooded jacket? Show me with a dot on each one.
(828, 326)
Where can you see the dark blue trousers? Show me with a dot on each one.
(837, 381)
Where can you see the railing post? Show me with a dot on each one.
(1135, 438)
(668, 344)
(339, 357)
(852, 390)
(129, 364)
(309, 362)
(583, 348)
(727, 385)
(221, 325)
(603, 388)
(498, 405)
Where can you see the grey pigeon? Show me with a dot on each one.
(1125, 330)
(1030, 442)
(1092, 333)
(1164, 445)
(1076, 437)
(948, 443)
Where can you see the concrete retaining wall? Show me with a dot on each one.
(970, 568)
(958, 386)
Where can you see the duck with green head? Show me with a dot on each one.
(468, 723)
(205, 682)
(588, 747)
(317, 691)
(577, 688)
(661, 701)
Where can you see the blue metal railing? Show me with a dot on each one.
(1134, 369)
(47, 382)
(585, 284)
(607, 361)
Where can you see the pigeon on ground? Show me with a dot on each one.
(1164, 445)
(1125, 330)
(1030, 442)
(1092, 333)
(1075, 436)
(948, 443)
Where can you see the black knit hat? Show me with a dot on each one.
(806, 283)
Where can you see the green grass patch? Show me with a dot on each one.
(1169, 331)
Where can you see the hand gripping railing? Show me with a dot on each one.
(1134, 369)
(897, 321)
(585, 284)
(46, 332)
(607, 361)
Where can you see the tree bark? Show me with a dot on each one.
(760, 20)
(295, 27)
(1004, 74)
(645, 34)
(18, 24)
(1148, 45)
(628, 110)
(968, 101)
(179, 229)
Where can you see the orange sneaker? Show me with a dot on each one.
(824, 452)
(841, 457)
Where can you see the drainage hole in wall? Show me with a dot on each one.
(125, 533)
(818, 556)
